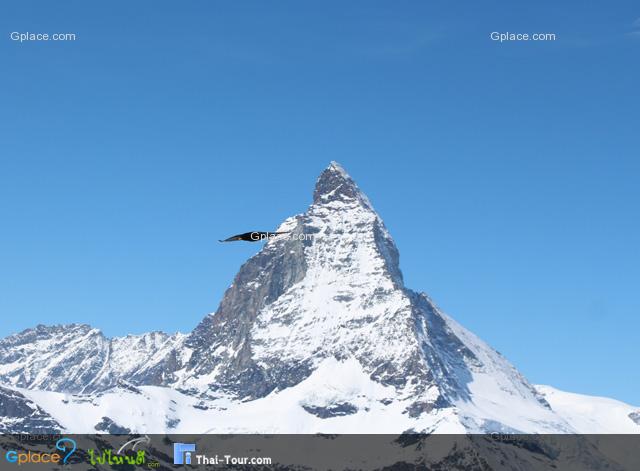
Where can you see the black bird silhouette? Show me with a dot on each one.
(254, 236)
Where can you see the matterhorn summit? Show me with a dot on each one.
(316, 334)
(328, 303)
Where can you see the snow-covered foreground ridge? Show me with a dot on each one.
(317, 333)
(156, 409)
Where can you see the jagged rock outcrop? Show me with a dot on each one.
(77, 358)
(19, 414)
(333, 288)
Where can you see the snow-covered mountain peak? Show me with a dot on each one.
(304, 297)
(333, 290)
(335, 184)
(317, 328)
(347, 230)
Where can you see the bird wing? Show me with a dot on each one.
(247, 236)
(235, 237)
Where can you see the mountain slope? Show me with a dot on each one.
(77, 358)
(588, 413)
(333, 289)
(338, 397)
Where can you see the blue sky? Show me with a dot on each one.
(165, 126)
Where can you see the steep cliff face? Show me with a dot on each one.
(332, 289)
(332, 271)
(222, 343)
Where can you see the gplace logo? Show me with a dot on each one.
(67, 447)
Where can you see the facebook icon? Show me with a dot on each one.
(182, 452)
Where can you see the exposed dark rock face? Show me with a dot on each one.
(333, 410)
(18, 413)
(172, 423)
(107, 425)
(124, 385)
(334, 184)
(223, 340)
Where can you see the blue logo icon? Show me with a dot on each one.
(68, 445)
(182, 452)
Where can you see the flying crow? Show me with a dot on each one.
(253, 236)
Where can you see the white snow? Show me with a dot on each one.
(332, 383)
(591, 414)
(358, 330)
